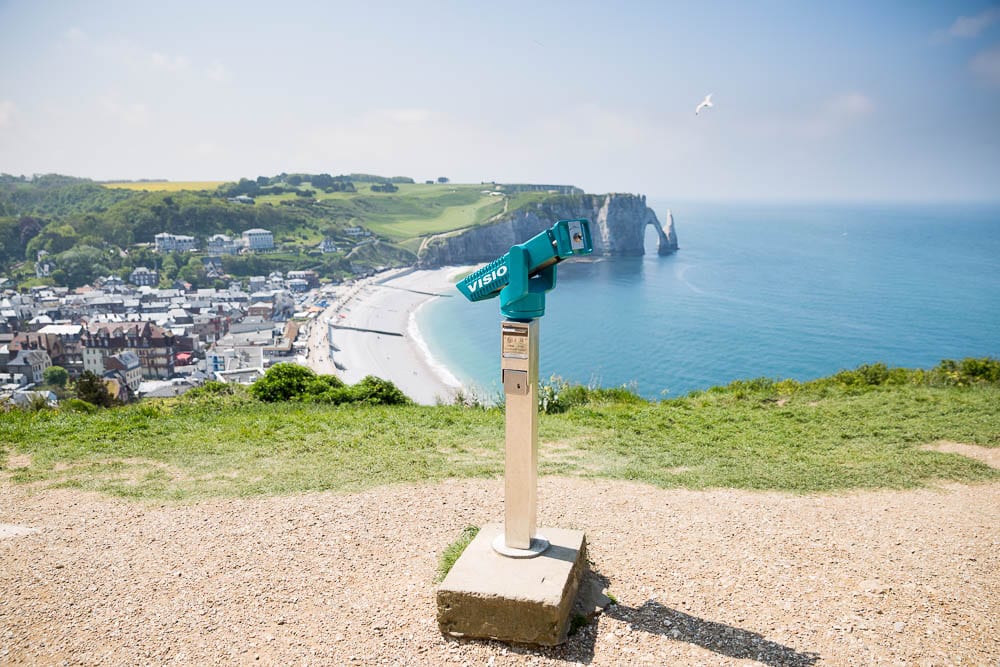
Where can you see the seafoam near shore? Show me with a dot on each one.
(371, 329)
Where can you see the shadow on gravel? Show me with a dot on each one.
(656, 618)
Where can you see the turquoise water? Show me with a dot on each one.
(756, 290)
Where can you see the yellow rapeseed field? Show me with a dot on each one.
(165, 186)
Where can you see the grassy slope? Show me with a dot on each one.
(811, 441)
(415, 210)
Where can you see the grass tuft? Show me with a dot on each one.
(454, 550)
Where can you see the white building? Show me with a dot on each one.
(174, 242)
(257, 240)
(220, 244)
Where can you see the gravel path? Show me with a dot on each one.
(701, 578)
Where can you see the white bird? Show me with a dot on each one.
(707, 102)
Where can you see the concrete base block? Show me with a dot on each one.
(524, 600)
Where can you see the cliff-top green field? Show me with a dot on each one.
(415, 210)
(860, 429)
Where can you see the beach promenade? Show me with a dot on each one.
(370, 329)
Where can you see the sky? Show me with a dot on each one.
(889, 101)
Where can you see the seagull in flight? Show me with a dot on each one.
(707, 102)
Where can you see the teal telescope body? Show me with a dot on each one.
(523, 275)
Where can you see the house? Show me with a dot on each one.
(213, 267)
(25, 399)
(68, 335)
(242, 357)
(258, 240)
(143, 277)
(111, 283)
(32, 363)
(125, 367)
(240, 375)
(311, 278)
(154, 345)
(43, 266)
(328, 246)
(220, 244)
(174, 242)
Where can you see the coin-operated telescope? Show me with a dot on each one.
(523, 275)
(521, 278)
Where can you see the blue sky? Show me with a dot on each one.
(813, 101)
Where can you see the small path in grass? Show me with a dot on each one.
(988, 455)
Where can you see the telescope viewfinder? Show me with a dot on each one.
(523, 274)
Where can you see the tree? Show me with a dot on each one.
(322, 181)
(91, 388)
(193, 272)
(168, 269)
(54, 238)
(81, 265)
(57, 376)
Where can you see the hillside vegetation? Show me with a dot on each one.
(91, 230)
(865, 428)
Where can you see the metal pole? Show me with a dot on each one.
(519, 368)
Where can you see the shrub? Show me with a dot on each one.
(968, 371)
(557, 395)
(282, 382)
(376, 391)
(76, 405)
(91, 388)
(323, 384)
(212, 388)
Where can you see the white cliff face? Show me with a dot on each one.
(617, 226)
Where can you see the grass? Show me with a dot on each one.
(802, 438)
(452, 552)
(165, 186)
(415, 210)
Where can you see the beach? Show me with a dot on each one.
(370, 329)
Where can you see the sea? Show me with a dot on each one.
(756, 290)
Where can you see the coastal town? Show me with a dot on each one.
(145, 340)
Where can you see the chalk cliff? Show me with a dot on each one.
(617, 225)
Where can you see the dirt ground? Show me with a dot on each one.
(700, 578)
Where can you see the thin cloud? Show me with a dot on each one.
(406, 116)
(832, 117)
(986, 65)
(207, 149)
(217, 72)
(850, 105)
(172, 64)
(130, 113)
(7, 111)
(971, 26)
(75, 34)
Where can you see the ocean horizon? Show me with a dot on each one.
(756, 290)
